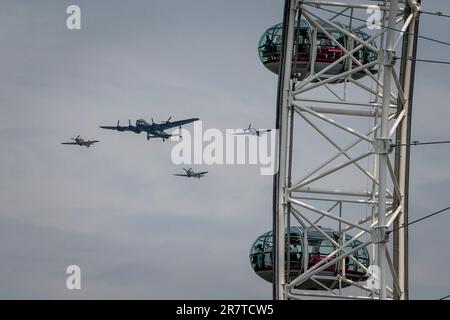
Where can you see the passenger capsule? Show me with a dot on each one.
(319, 247)
(314, 50)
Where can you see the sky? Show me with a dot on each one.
(115, 209)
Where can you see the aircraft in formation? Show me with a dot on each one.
(252, 131)
(191, 173)
(157, 130)
(153, 130)
(81, 142)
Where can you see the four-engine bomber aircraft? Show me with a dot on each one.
(191, 174)
(253, 132)
(153, 130)
(81, 142)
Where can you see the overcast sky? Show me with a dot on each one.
(115, 209)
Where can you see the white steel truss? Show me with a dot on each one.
(371, 153)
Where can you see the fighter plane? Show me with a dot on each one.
(191, 174)
(81, 142)
(253, 132)
(153, 130)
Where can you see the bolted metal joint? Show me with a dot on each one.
(416, 9)
(389, 58)
(383, 146)
(379, 235)
(284, 197)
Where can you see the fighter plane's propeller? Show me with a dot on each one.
(129, 122)
(76, 137)
(118, 123)
(152, 121)
(249, 126)
(168, 120)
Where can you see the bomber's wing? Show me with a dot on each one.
(71, 143)
(173, 124)
(119, 128)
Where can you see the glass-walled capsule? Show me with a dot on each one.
(314, 50)
(318, 248)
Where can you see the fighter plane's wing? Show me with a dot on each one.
(173, 124)
(72, 143)
(180, 175)
(90, 142)
(202, 173)
(243, 133)
(264, 130)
